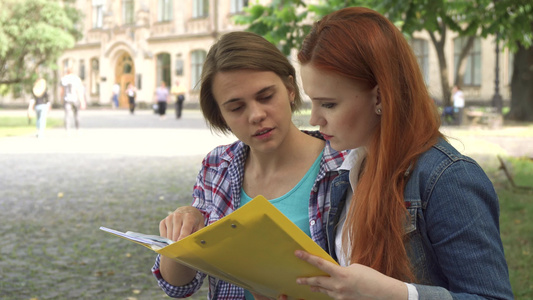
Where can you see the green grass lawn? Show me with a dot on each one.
(15, 125)
(516, 225)
(516, 205)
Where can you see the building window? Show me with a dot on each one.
(95, 75)
(82, 69)
(163, 69)
(200, 8)
(98, 13)
(197, 61)
(127, 64)
(179, 65)
(473, 61)
(128, 12)
(164, 10)
(67, 63)
(420, 48)
(237, 6)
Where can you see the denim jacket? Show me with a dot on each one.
(454, 243)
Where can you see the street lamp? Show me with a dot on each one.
(497, 101)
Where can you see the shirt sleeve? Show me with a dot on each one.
(463, 226)
(412, 292)
(177, 291)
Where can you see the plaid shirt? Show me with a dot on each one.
(217, 194)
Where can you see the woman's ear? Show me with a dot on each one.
(376, 95)
(290, 88)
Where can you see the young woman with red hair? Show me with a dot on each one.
(415, 218)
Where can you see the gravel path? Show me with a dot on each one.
(120, 171)
(124, 172)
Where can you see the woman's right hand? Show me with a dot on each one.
(181, 223)
(177, 225)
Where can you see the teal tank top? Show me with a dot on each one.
(295, 204)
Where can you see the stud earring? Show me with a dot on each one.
(378, 111)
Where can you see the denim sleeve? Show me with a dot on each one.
(462, 219)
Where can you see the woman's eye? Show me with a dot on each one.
(328, 105)
(265, 98)
(236, 108)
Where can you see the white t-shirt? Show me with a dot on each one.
(459, 99)
(352, 163)
(116, 89)
(72, 86)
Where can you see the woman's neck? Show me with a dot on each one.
(297, 148)
(276, 173)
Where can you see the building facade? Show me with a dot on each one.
(149, 41)
(146, 42)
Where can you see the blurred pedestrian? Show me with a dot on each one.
(114, 97)
(131, 91)
(73, 95)
(458, 104)
(178, 90)
(39, 105)
(162, 98)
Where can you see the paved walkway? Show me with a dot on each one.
(120, 171)
(124, 172)
(118, 132)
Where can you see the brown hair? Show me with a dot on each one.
(242, 51)
(360, 44)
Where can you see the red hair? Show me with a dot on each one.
(361, 44)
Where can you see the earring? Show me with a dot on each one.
(378, 111)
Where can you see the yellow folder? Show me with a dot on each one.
(253, 248)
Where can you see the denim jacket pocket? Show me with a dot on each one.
(414, 244)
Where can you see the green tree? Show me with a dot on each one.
(33, 34)
(514, 23)
(279, 22)
(510, 19)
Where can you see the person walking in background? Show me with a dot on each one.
(416, 218)
(458, 104)
(73, 95)
(114, 98)
(40, 105)
(178, 90)
(131, 91)
(162, 98)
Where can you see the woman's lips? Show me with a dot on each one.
(326, 137)
(263, 133)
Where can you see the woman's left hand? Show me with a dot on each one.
(353, 282)
(261, 297)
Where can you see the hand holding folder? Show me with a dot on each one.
(252, 247)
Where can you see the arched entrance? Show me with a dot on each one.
(124, 74)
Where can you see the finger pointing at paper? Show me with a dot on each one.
(181, 223)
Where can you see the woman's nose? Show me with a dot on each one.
(316, 119)
(257, 113)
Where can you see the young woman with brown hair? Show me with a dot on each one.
(248, 89)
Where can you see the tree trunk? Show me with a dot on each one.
(461, 66)
(522, 86)
(443, 66)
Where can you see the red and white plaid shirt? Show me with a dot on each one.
(217, 194)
